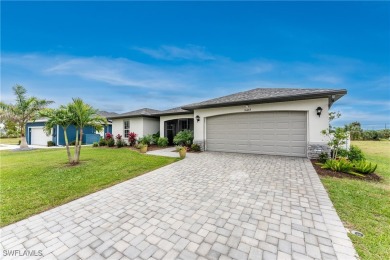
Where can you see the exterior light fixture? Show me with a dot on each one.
(197, 118)
(319, 111)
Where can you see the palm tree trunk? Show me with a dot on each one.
(67, 145)
(80, 142)
(76, 147)
(23, 141)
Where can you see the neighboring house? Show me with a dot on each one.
(260, 121)
(142, 122)
(36, 136)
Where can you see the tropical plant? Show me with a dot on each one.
(342, 165)
(62, 117)
(364, 167)
(95, 144)
(110, 142)
(119, 142)
(83, 115)
(162, 142)
(132, 138)
(109, 136)
(50, 143)
(184, 138)
(102, 142)
(355, 154)
(337, 138)
(146, 139)
(25, 109)
(195, 147)
(323, 157)
(155, 137)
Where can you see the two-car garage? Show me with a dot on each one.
(274, 133)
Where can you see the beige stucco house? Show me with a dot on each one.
(261, 121)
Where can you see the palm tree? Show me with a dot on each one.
(25, 109)
(83, 115)
(62, 117)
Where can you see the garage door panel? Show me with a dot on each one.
(275, 133)
(39, 137)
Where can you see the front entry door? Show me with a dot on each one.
(171, 131)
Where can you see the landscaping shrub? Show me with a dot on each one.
(19, 142)
(184, 138)
(162, 142)
(155, 137)
(355, 154)
(342, 165)
(147, 139)
(102, 142)
(109, 136)
(119, 142)
(50, 143)
(73, 143)
(95, 144)
(323, 157)
(110, 142)
(364, 167)
(132, 138)
(342, 153)
(195, 147)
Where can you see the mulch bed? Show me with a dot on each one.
(326, 172)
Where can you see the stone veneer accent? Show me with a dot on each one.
(315, 149)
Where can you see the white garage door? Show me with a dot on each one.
(38, 136)
(274, 133)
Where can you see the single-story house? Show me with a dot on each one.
(35, 134)
(275, 121)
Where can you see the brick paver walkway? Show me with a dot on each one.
(208, 206)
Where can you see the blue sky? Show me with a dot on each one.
(121, 56)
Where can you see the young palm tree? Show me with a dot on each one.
(83, 115)
(24, 110)
(61, 117)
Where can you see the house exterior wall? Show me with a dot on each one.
(139, 125)
(172, 117)
(316, 142)
(136, 126)
(151, 125)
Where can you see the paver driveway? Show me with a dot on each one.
(208, 206)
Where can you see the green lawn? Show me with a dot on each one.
(34, 181)
(9, 140)
(365, 206)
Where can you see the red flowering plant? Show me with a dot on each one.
(118, 137)
(132, 138)
(108, 136)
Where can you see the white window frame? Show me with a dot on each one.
(126, 131)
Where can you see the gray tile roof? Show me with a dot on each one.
(107, 114)
(173, 111)
(140, 112)
(267, 95)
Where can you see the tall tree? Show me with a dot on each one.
(62, 117)
(83, 115)
(25, 109)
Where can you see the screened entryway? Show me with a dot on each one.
(172, 127)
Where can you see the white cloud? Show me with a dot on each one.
(168, 52)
